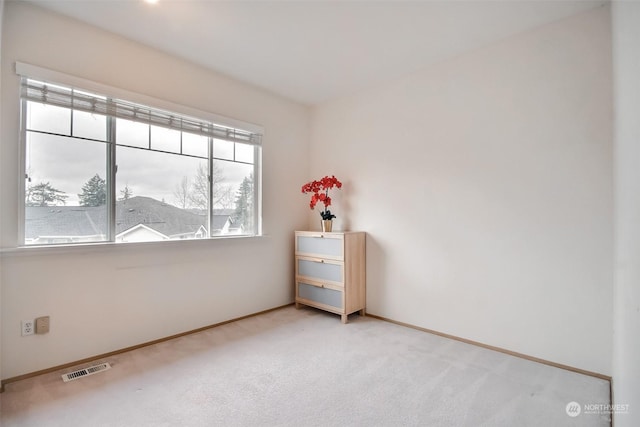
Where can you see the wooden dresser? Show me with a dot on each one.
(330, 271)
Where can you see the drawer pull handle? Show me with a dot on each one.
(322, 261)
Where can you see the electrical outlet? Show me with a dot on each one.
(42, 325)
(28, 327)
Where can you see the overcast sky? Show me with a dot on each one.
(68, 163)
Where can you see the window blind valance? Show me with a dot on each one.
(61, 96)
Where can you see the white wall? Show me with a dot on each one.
(109, 298)
(626, 345)
(1, 21)
(485, 184)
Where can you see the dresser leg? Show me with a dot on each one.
(361, 312)
(297, 306)
(344, 318)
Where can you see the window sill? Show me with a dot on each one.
(113, 247)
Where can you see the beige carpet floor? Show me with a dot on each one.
(304, 368)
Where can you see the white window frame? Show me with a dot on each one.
(54, 77)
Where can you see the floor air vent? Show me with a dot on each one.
(85, 372)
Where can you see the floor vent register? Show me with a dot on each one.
(80, 373)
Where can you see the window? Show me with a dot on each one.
(101, 169)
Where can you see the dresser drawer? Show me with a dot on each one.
(321, 245)
(320, 295)
(320, 269)
(330, 271)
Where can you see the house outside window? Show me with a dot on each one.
(102, 169)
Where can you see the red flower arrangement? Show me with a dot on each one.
(320, 190)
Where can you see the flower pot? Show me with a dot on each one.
(327, 224)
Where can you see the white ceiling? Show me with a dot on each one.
(312, 51)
